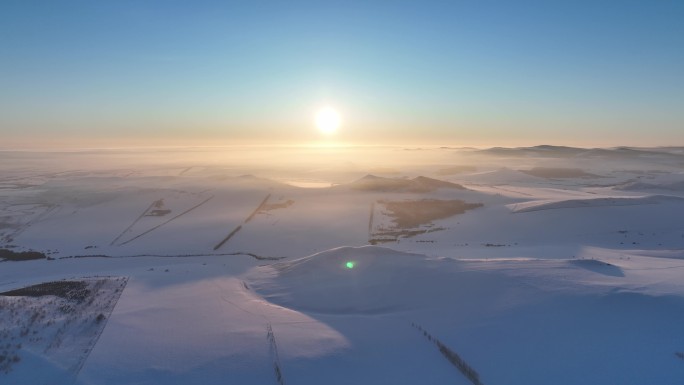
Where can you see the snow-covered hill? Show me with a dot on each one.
(489, 274)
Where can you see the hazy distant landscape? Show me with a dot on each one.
(531, 265)
(341, 192)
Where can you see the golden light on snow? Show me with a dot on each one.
(327, 120)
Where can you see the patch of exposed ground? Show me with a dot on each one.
(411, 214)
(414, 217)
(274, 206)
(559, 173)
(640, 186)
(158, 209)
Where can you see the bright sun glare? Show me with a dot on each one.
(327, 120)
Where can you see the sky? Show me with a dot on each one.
(457, 73)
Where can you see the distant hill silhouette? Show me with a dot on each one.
(417, 184)
(548, 151)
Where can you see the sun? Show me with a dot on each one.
(327, 120)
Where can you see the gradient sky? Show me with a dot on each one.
(107, 73)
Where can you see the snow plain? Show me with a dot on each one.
(539, 265)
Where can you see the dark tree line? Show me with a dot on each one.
(274, 355)
(468, 371)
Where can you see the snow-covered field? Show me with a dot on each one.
(540, 265)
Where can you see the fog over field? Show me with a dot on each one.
(341, 192)
(342, 265)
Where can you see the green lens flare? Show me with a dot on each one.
(350, 265)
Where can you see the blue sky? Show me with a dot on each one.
(451, 72)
